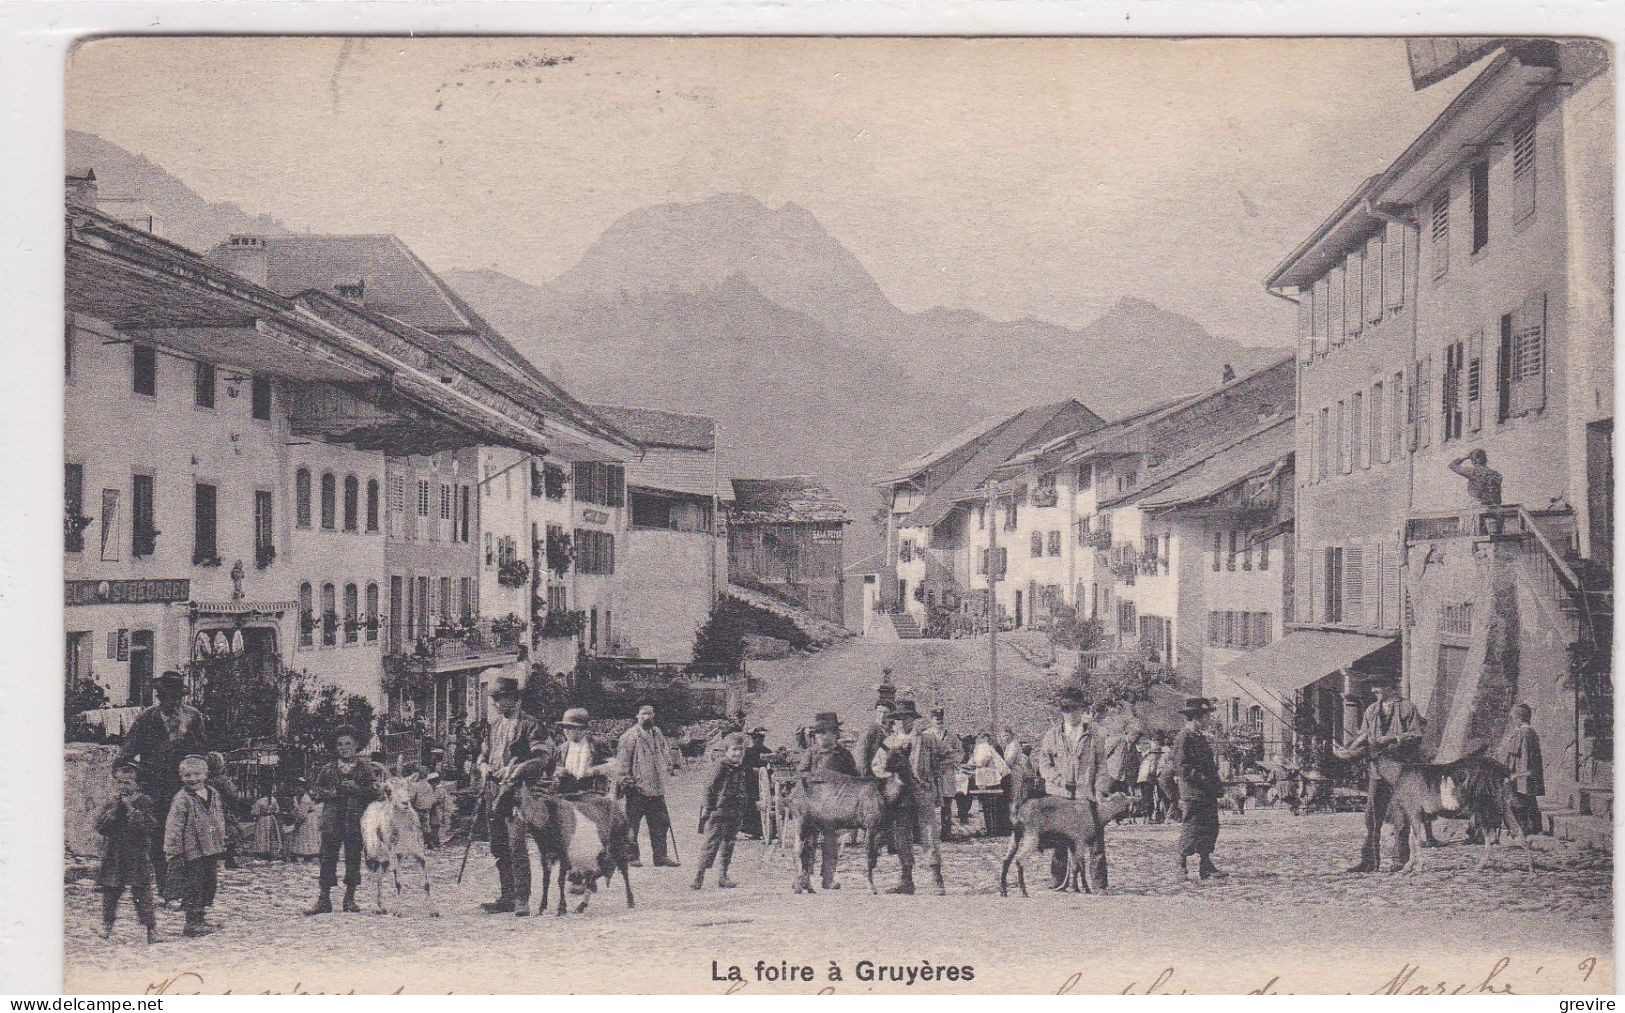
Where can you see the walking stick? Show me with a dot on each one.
(676, 855)
(473, 828)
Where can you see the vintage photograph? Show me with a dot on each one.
(861, 515)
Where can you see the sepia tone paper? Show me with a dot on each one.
(768, 379)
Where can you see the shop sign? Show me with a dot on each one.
(595, 516)
(128, 592)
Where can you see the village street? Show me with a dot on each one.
(1287, 897)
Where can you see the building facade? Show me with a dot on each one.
(785, 538)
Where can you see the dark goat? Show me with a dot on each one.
(826, 800)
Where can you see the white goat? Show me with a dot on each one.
(392, 835)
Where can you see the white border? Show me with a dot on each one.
(34, 39)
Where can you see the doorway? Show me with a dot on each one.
(1018, 610)
(140, 668)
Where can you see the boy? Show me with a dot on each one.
(344, 787)
(194, 841)
(726, 801)
(128, 824)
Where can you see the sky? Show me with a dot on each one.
(1020, 177)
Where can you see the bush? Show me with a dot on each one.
(315, 713)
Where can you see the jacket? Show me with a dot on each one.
(1403, 725)
(1194, 771)
(344, 796)
(920, 759)
(1122, 760)
(726, 797)
(128, 824)
(836, 758)
(873, 736)
(197, 825)
(161, 744)
(597, 757)
(530, 741)
(947, 781)
(642, 757)
(1520, 751)
(1061, 763)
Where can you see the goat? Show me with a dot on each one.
(827, 801)
(1067, 823)
(1484, 797)
(586, 835)
(391, 834)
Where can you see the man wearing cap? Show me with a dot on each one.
(1390, 736)
(159, 738)
(1197, 790)
(513, 738)
(583, 765)
(641, 757)
(947, 785)
(919, 761)
(1071, 760)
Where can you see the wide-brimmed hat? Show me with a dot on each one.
(758, 733)
(1195, 705)
(575, 717)
(171, 680)
(827, 721)
(902, 709)
(504, 686)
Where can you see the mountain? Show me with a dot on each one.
(183, 216)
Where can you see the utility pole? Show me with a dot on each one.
(993, 575)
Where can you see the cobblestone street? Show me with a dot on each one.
(1286, 898)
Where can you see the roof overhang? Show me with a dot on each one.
(1329, 244)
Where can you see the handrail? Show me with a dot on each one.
(1552, 557)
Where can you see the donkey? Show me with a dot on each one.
(827, 801)
(1067, 823)
(392, 836)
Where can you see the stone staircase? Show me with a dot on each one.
(908, 628)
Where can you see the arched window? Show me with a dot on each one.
(372, 504)
(330, 615)
(301, 497)
(329, 500)
(352, 625)
(372, 609)
(352, 502)
(307, 617)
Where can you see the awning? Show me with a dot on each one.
(1300, 658)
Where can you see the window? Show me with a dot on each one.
(1440, 231)
(264, 539)
(1230, 560)
(1333, 585)
(1353, 292)
(423, 606)
(1378, 450)
(981, 516)
(352, 506)
(468, 499)
(1053, 545)
(73, 507)
(260, 397)
(1357, 425)
(1036, 543)
(372, 613)
(1086, 477)
(465, 597)
(1306, 324)
(330, 616)
(1373, 278)
(1523, 358)
(329, 500)
(1263, 553)
(1218, 550)
(110, 525)
(603, 484)
(1475, 381)
(1335, 319)
(352, 618)
(1323, 323)
(1010, 516)
(1396, 431)
(372, 504)
(595, 551)
(1321, 441)
(1127, 621)
(1478, 192)
(144, 371)
(1523, 171)
(144, 530)
(1127, 477)
(301, 497)
(1394, 265)
(1340, 434)
(447, 607)
(1450, 400)
(423, 497)
(204, 384)
(1424, 387)
(307, 616)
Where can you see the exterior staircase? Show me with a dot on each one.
(908, 628)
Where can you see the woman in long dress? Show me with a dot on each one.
(306, 841)
(268, 841)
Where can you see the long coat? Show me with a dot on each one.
(129, 825)
(1061, 762)
(344, 796)
(196, 827)
(920, 759)
(530, 741)
(642, 757)
(1520, 751)
(836, 758)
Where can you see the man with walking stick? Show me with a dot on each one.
(641, 757)
(514, 738)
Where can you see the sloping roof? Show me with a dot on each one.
(920, 462)
(1081, 440)
(1031, 427)
(791, 499)
(654, 428)
(873, 563)
(1220, 468)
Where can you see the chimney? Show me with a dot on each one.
(81, 188)
(352, 291)
(244, 256)
(1228, 374)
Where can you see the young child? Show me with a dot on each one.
(305, 844)
(268, 841)
(195, 841)
(726, 799)
(127, 822)
(232, 802)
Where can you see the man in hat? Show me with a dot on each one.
(1197, 788)
(918, 760)
(947, 786)
(826, 755)
(641, 759)
(755, 760)
(1071, 760)
(875, 734)
(513, 738)
(159, 738)
(1390, 736)
(584, 765)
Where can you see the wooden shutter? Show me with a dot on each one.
(1353, 311)
(1373, 278)
(1523, 170)
(1396, 399)
(1392, 605)
(1394, 265)
(1475, 380)
(1301, 612)
(1440, 231)
(1306, 324)
(1334, 311)
(1528, 347)
(1373, 585)
(1311, 569)
(1353, 584)
(1323, 317)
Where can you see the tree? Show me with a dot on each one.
(721, 641)
(1124, 683)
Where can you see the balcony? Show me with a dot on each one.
(476, 643)
(1507, 522)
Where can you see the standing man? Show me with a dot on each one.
(1526, 773)
(584, 766)
(825, 754)
(755, 760)
(919, 760)
(874, 735)
(1123, 759)
(158, 740)
(1197, 790)
(344, 787)
(1390, 735)
(1071, 760)
(948, 783)
(513, 738)
(641, 757)
(1483, 485)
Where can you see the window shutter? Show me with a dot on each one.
(1353, 584)
(1394, 265)
(1323, 318)
(1306, 324)
(1310, 570)
(1528, 366)
(1397, 433)
(1334, 312)
(1391, 603)
(1373, 278)
(1440, 230)
(1523, 171)
(1373, 585)
(1475, 380)
(1424, 386)
(1353, 310)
